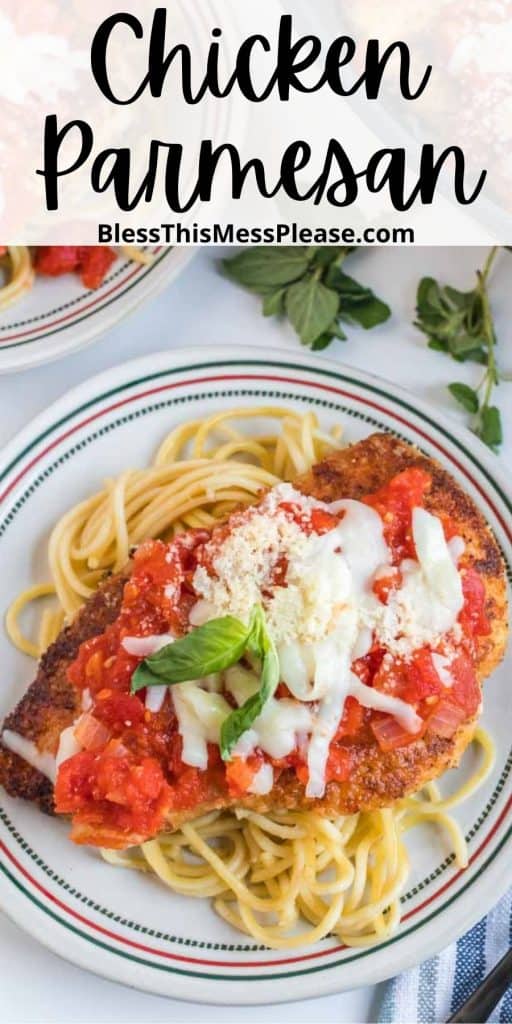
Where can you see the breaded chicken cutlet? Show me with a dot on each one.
(373, 776)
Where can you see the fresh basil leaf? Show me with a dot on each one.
(267, 266)
(273, 303)
(239, 721)
(490, 428)
(465, 396)
(311, 308)
(209, 648)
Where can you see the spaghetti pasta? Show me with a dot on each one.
(19, 273)
(267, 874)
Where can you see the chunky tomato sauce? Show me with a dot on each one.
(130, 773)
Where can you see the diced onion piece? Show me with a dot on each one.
(91, 734)
(446, 718)
(390, 734)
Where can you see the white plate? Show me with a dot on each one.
(59, 315)
(127, 927)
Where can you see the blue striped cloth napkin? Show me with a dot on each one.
(430, 993)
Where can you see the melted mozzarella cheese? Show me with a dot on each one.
(276, 730)
(68, 745)
(145, 646)
(399, 709)
(442, 665)
(427, 605)
(43, 762)
(200, 716)
(155, 697)
(436, 562)
(324, 617)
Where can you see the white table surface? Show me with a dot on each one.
(202, 308)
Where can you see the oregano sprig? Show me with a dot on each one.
(461, 325)
(307, 285)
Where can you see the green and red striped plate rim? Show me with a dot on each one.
(59, 315)
(144, 399)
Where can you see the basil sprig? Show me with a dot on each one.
(213, 647)
(261, 644)
(209, 648)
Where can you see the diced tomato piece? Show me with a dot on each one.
(445, 718)
(352, 720)
(339, 763)
(394, 502)
(390, 734)
(240, 773)
(95, 263)
(390, 677)
(367, 668)
(54, 260)
(473, 617)
(3, 250)
(118, 710)
(323, 521)
(92, 262)
(422, 678)
(412, 681)
(383, 586)
(465, 690)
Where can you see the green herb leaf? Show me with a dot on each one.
(264, 267)
(214, 647)
(325, 339)
(357, 304)
(347, 287)
(489, 429)
(239, 721)
(438, 345)
(308, 285)
(325, 255)
(465, 396)
(319, 344)
(209, 648)
(273, 303)
(367, 314)
(475, 355)
(460, 324)
(311, 308)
